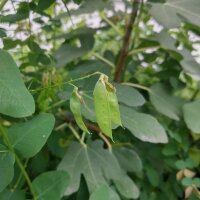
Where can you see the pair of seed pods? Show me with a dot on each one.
(105, 103)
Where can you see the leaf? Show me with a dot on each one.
(7, 161)
(29, 137)
(164, 102)
(143, 126)
(127, 187)
(15, 99)
(95, 163)
(128, 95)
(192, 115)
(105, 193)
(12, 195)
(75, 107)
(102, 108)
(43, 5)
(188, 62)
(171, 13)
(67, 53)
(128, 159)
(51, 185)
(153, 176)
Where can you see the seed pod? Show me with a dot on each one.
(114, 106)
(75, 107)
(102, 108)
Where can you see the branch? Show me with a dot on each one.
(126, 41)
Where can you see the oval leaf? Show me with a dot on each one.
(192, 115)
(15, 99)
(165, 103)
(7, 161)
(29, 137)
(143, 126)
(128, 95)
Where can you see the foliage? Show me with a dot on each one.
(72, 128)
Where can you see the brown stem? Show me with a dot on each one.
(126, 41)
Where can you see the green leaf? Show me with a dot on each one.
(67, 53)
(15, 99)
(43, 5)
(2, 33)
(95, 163)
(192, 115)
(127, 187)
(128, 95)
(29, 137)
(186, 181)
(75, 107)
(171, 13)
(153, 176)
(143, 126)
(51, 185)
(7, 161)
(102, 108)
(105, 193)
(188, 62)
(12, 195)
(128, 159)
(164, 102)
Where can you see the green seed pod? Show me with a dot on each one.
(75, 107)
(114, 106)
(102, 108)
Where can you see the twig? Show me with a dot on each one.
(126, 41)
(104, 60)
(77, 135)
(68, 12)
(102, 15)
(138, 86)
(67, 82)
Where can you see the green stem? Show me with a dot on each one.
(135, 51)
(2, 4)
(76, 135)
(102, 15)
(27, 178)
(137, 86)
(20, 176)
(106, 141)
(104, 60)
(67, 82)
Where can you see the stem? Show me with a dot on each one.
(137, 86)
(126, 41)
(67, 82)
(2, 4)
(106, 141)
(103, 59)
(102, 15)
(76, 135)
(7, 141)
(20, 177)
(135, 51)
